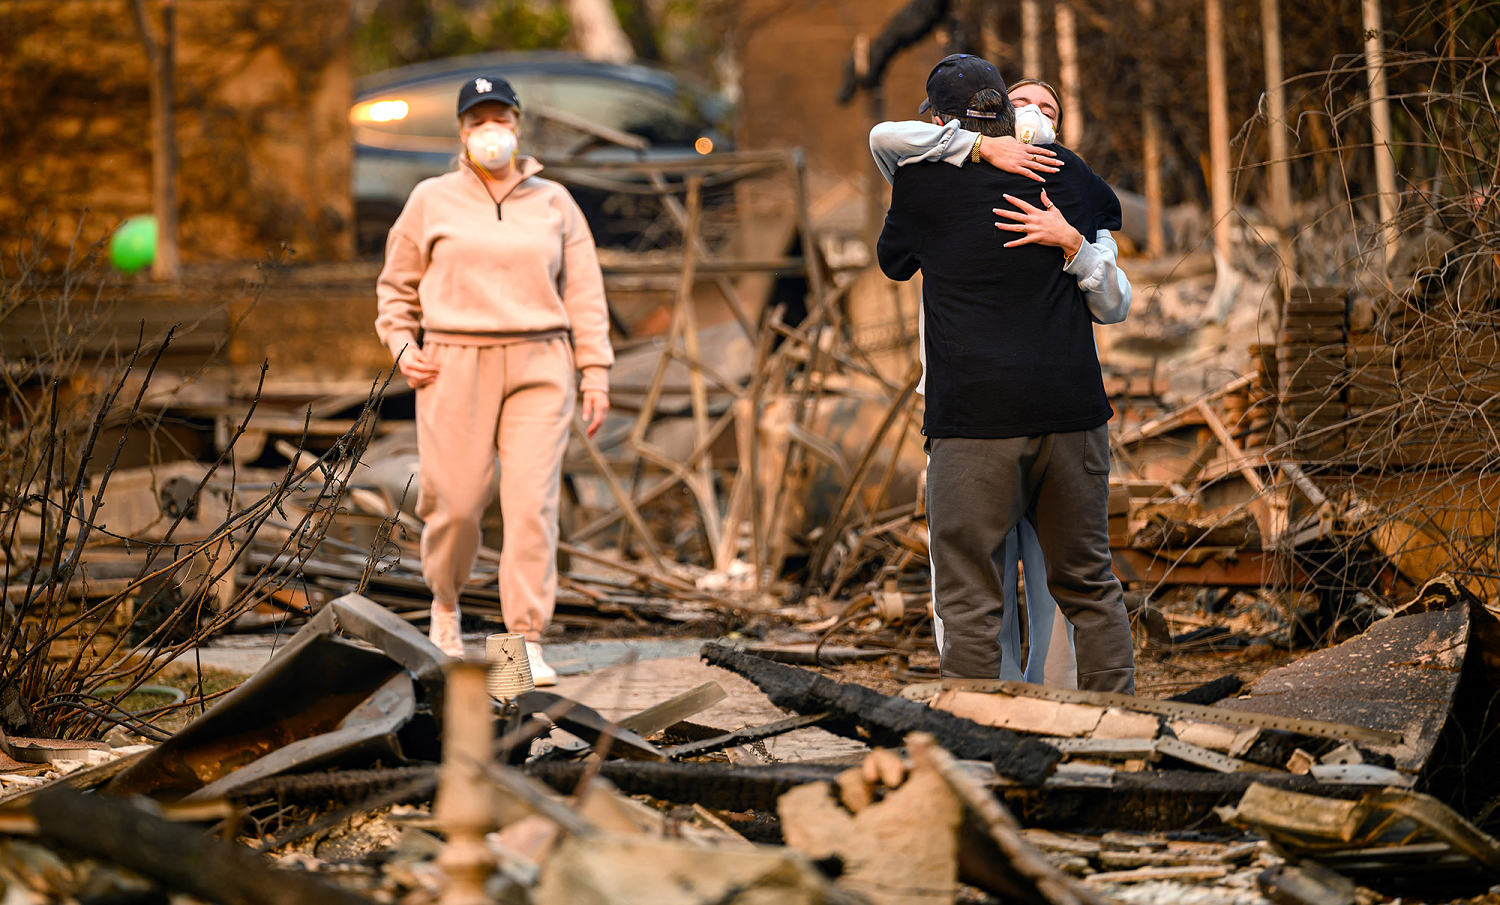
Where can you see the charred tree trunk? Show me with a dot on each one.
(905, 28)
(1066, 23)
(1031, 40)
(1380, 126)
(1220, 184)
(717, 786)
(598, 31)
(1151, 143)
(640, 27)
(1276, 130)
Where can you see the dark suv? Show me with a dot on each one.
(405, 129)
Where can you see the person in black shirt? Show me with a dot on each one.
(1016, 415)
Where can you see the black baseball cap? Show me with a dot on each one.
(483, 88)
(956, 78)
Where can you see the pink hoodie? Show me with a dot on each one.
(469, 271)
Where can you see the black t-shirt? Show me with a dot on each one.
(1010, 343)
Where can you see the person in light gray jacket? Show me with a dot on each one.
(1106, 291)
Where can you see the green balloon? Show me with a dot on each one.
(133, 246)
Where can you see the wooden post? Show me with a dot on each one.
(875, 190)
(1067, 59)
(1156, 234)
(1380, 125)
(465, 805)
(1031, 40)
(707, 499)
(164, 166)
(1281, 167)
(162, 57)
(1218, 132)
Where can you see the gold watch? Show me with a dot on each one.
(974, 151)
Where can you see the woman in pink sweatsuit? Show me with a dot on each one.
(496, 268)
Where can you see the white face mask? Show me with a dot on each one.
(1033, 126)
(492, 146)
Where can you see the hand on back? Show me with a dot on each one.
(1043, 225)
(1012, 155)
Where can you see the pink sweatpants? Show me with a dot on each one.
(517, 400)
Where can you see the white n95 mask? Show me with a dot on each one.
(1033, 126)
(491, 145)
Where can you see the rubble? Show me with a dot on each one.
(178, 857)
(364, 699)
(538, 806)
(584, 796)
(1309, 550)
(1394, 839)
(1401, 676)
(634, 870)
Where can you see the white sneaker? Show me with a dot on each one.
(541, 673)
(443, 630)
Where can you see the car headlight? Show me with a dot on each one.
(379, 111)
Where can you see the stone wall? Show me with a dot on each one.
(262, 93)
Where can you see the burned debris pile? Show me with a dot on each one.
(407, 781)
(1328, 518)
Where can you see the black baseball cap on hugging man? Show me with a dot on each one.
(956, 78)
(486, 88)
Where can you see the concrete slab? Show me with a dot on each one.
(620, 690)
(591, 656)
(243, 654)
(247, 653)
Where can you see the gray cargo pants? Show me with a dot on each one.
(977, 490)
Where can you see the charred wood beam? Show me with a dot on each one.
(861, 713)
(1152, 800)
(178, 857)
(1211, 692)
(741, 736)
(1156, 800)
(710, 785)
(339, 785)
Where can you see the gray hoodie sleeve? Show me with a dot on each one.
(896, 144)
(1106, 289)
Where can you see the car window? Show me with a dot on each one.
(427, 121)
(657, 117)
